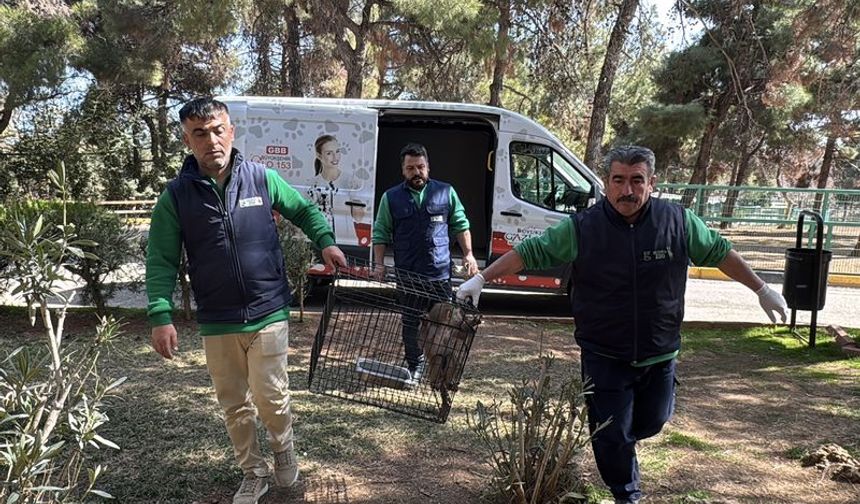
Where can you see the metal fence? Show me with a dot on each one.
(761, 222)
(138, 211)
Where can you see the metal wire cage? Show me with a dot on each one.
(392, 339)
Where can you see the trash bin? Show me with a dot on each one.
(798, 287)
(805, 282)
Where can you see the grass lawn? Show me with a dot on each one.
(751, 401)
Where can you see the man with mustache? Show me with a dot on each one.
(630, 255)
(219, 208)
(416, 217)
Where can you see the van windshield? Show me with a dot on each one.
(569, 172)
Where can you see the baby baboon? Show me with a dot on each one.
(445, 335)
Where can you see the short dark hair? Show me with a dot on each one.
(413, 149)
(630, 155)
(204, 107)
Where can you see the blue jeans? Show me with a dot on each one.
(639, 400)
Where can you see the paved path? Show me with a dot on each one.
(706, 300)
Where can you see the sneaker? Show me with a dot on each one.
(252, 488)
(286, 467)
(417, 372)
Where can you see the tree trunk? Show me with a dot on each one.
(706, 145)
(603, 93)
(355, 61)
(739, 179)
(163, 132)
(501, 54)
(826, 164)
(355, 70)
(265, 79)
(291, 83)
(381, 68)
(302, 298)
(154, 142)
(6, 115)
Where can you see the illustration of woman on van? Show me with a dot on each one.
(326, 171)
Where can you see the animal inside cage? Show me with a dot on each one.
(396, 340)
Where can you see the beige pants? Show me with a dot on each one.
(250, 369)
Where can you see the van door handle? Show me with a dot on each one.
(356, 204)
(508, 213)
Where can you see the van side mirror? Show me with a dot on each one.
(577, 199)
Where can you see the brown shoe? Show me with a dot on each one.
(252, 488)
(286, 467)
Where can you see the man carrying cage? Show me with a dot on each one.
(416, 218)
(630, 254)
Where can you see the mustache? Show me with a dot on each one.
(629, 199)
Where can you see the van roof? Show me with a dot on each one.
(378, 104)
(514, 120)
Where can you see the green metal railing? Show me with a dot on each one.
(761, 222)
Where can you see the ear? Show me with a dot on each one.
(185, 139)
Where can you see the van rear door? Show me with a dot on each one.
(327, 152)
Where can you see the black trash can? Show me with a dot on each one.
(798, 288)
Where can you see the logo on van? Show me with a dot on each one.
(282, 150)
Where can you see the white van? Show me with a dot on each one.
(513, 176)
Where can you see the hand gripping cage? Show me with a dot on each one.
(396, 340)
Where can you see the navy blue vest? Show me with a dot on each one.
(421, 234)
(629, 280)
(234, 256)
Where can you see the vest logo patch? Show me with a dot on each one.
(657, 255)
(437, 218)
(251, 202)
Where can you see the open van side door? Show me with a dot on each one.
(327, 152)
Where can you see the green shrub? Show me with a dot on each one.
(117, 246)
(534, 442)
(116, 242)
(51, 395)
(298, 258)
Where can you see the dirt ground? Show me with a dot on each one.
(748, 411)
(747, 408)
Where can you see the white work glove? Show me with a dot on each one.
(470, 290)
(772, 303)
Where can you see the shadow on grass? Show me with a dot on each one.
(741, 387)
(758, 386)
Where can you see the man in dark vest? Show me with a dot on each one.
(416, 217)
(219, 208)
(630, 255)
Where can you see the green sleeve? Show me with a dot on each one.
(382, 225)
(457, 220)
(557, 245)
(705, 246)
(163, 253)
(296, 209)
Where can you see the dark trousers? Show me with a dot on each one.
(639, 401)
(416, 302)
